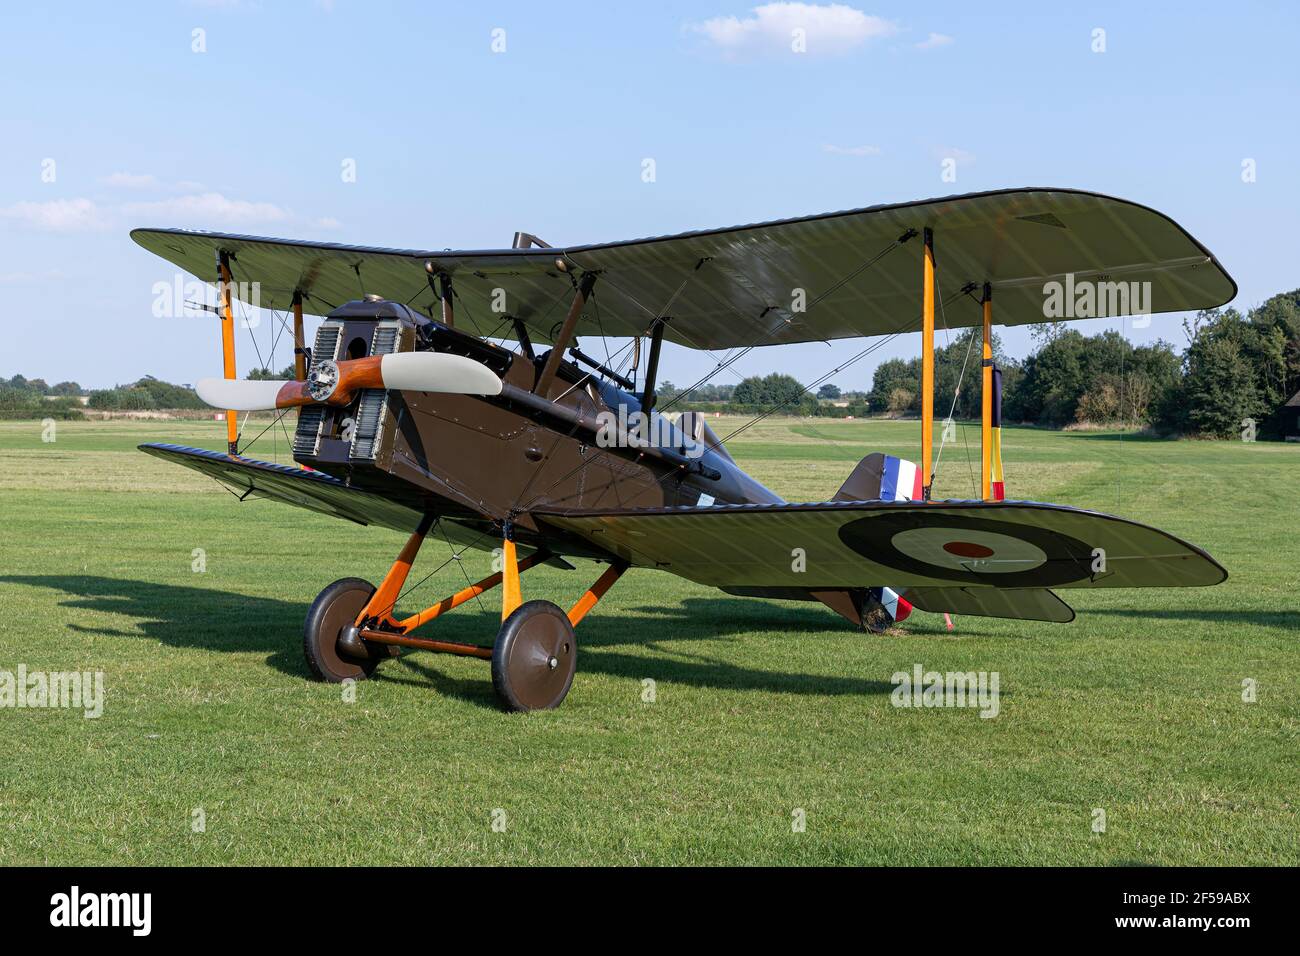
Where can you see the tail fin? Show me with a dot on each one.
(876, 478)
(881, 477)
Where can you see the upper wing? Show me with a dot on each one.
(950, 544)
(733, 287)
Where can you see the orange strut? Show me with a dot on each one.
(299, 359)
(596, 592)
(442, 647)
(510, 594)
(228, 350)
(381, 602)
(986, 398)
(465, 594)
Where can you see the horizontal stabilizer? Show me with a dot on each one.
(1019, 604)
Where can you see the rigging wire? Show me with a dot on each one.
(655, 317)
(856, 358)
(835, 287)
(943, 438)
(454, 556)
(461, 300)
(277, 418)
(833, 372)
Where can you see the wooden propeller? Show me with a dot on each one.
(337, 383)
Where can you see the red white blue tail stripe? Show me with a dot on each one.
(900, 480)
(898, 607)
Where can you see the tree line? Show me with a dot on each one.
(22, 397)
(1234, 369)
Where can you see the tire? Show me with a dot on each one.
(534, 658)
(335, 608)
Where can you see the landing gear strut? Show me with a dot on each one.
(351, 628)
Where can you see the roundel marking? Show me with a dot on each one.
(969, 549)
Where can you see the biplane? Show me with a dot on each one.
(447, 394)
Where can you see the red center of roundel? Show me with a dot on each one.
(968, 549)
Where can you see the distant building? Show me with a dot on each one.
(1291, 418)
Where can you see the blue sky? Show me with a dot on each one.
(459, 146)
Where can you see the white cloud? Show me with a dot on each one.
(851, 150)
(206, 209)
(130, 180)
(146, 181)
(199, 210)
(57, 215)
(827, 29)
(934, 40)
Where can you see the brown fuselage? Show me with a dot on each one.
(478, 462)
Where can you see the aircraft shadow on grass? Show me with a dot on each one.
(1286, 620)
(182, 616)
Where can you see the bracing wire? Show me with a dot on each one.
(952, 409)
(454, 556)
(824, 378)
(835, 286)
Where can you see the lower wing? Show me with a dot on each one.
(247, 478)
(951, 545)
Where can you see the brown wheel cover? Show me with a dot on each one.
(335, 608)
(523, 675)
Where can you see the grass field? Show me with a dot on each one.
(761, 709)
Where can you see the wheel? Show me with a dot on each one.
(335, 608)
(534, 658)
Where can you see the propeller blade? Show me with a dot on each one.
(438, 372)
(240, 395)
(336, 383)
